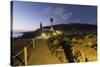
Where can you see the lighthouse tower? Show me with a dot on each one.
(51, 24)
(41, 28)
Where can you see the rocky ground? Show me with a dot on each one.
(80, 49)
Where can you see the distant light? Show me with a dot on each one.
(43, 34)
(58, 32)
(54, 33)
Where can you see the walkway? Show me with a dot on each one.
(42, 55)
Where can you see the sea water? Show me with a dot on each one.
(17, 34)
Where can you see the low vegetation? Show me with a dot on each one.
(82, 48)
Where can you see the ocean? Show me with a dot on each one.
(17, 34)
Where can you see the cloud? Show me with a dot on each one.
(48, 10)
(77, 20)
(53, 11)
(66, 16)
(57, 11)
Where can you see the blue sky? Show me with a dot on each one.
(28, 15)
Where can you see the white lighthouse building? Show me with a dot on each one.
(51, 24)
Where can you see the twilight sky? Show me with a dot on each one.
(28, 15)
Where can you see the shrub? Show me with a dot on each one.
(56, 42)
(67, 39)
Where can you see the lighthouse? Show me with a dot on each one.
(41, 29)
(51, 24)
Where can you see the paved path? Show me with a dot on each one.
(42, 55)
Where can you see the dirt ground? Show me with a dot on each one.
(42, 55)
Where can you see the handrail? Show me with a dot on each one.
(18, 54)
(29, 45)
(25, 50)
(22, 62)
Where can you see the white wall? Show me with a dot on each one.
(5, 32)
